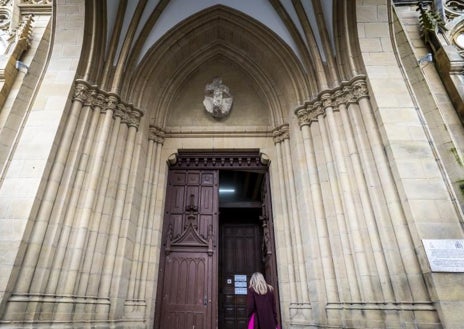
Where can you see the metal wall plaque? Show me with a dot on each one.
(445, 255)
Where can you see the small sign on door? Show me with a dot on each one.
(240, 291)
(240, 284)
(240, 277)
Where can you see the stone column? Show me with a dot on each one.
(35, 266)
(91, 267)
(345, 252)
(341, 139)
(149, 268)
(126, 237)
(284, 202)
(68, 281)
(406, 248)
(300, 303)
(321, 240)
(347, 201)
(108, 275)
(137, 302)
(378, 273)
(104, 209)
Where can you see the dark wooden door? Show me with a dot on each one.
(269, 260)
(186, 292)
(268, 244)
(187, 295)
(240, 256)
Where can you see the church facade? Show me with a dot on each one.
(156, 153)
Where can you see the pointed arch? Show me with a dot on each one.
(218, 31)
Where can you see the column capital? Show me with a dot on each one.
(156, 134)
(91, 95)
(348, 92)
(281, 133)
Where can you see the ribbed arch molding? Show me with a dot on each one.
(219, 33)
(212, 54)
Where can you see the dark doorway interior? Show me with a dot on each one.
(240, 244)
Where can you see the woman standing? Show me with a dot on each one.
(261, 302)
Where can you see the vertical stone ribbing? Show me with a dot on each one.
(61, 277)
(346, 248)
(408, 282)
(79, 239)
(389, 264)
(104, 203)
(298, 251)
(34, 271)
(342, 140)
(372, 245)
(102, 311)
(64, 242)
(329, 220)
(320, 237)
(50, 249)
(126, 240)
(92, 264)
(141, 223)
(347, 201)
(285, 211)
(53, 253)
(136, 300)
(410, 267)
(41, 224)
(150, 239)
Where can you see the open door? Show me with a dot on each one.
(268, 242)
(196, 238)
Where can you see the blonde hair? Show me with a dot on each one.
(259, 284)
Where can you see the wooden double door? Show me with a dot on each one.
(212, 242)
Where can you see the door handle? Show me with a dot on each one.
(205, 301)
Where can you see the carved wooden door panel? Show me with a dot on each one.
(186, 293)
(187, 296)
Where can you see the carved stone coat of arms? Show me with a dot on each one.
(218, 99)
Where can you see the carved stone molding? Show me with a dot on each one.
(81, 91)
(225, 159)
(90, 95)
(281, 133)
(442, 29)
(14, 42)
(133, 117)
(156, 134)
(37, 2)
(348, 92)
(36, 7)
